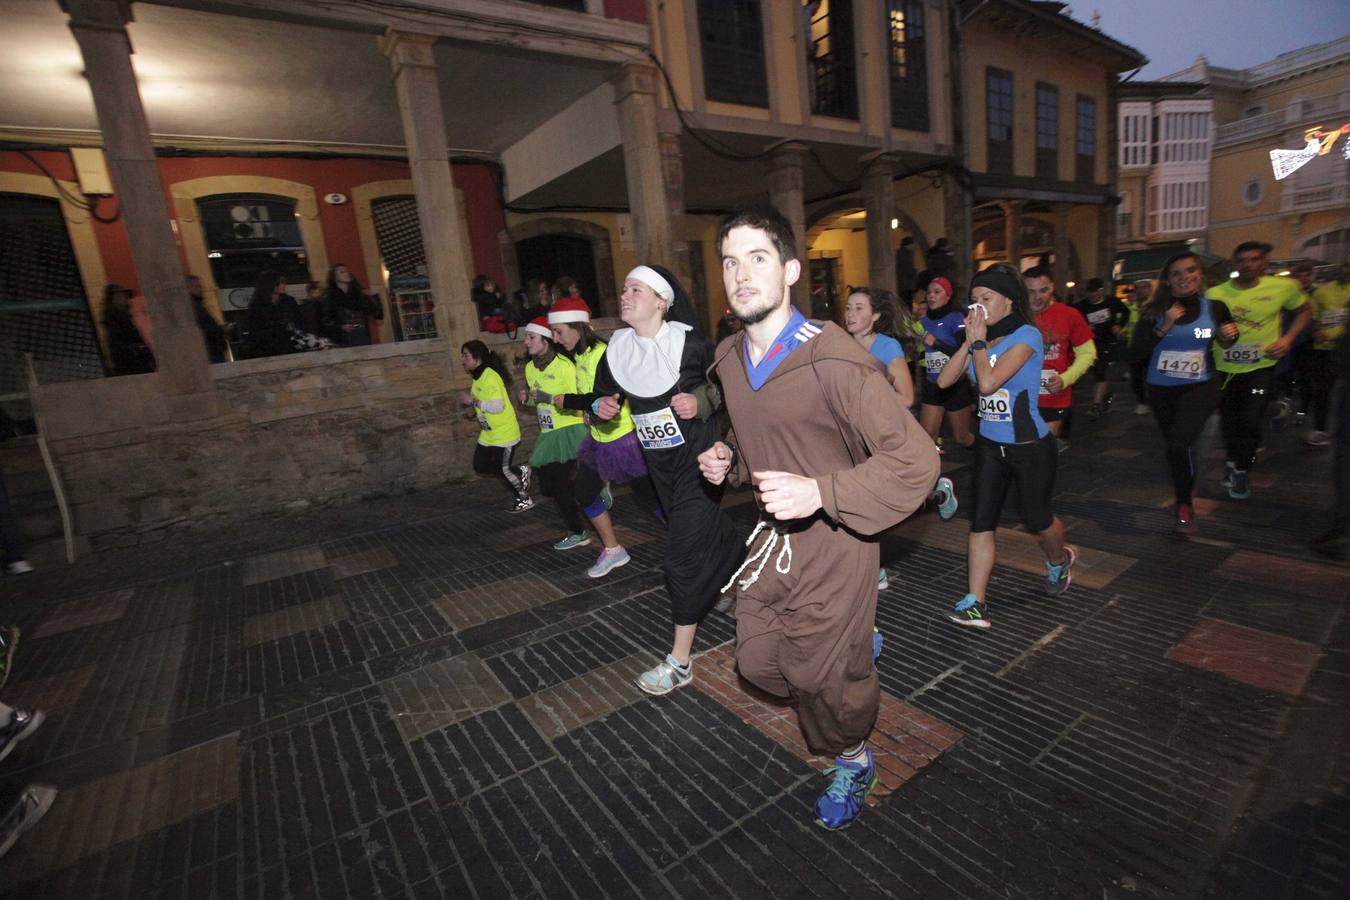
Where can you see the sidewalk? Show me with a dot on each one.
(417, 696)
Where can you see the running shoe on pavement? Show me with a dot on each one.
(945, 493)
(9, 645)
(520, 505)
(580, 539)
(1059, 577)
(1141, 409)
(1239, 489)
(666, 677)
(1228, 470)
(882, 581)
(21, 725)
(25, 812)
(843, 800)
(1318, 439)
(969, 612)
(610, 559)
(19, 567)
(1185, 517)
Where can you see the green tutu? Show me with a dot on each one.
(557, 446)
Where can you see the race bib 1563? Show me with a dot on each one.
(658, 430)
(935, 360)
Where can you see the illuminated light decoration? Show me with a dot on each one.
(1319, 143)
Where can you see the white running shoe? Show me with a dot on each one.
(666, 677)
(610, 559)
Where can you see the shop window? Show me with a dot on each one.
(998, 92)
(1047, 131)
(731, 35)
(909, 66)
(831, 72)
(247, 234)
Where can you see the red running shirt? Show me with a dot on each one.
(1062, 328)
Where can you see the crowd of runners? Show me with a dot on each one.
(839, 431)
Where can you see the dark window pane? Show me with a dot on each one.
(246, 234)
(1085, 142)
(831, 72)
(999, 120)
(732, 38)
(909, 68)
(1047, 131)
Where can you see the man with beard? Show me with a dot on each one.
(834, 455)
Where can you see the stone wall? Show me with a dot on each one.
(275, 435)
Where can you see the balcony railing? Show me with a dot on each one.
(1295, 114)
(1322, 196)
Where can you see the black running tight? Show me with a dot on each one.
(1181, 413)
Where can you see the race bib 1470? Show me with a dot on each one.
(1187, 364)
(658, 430)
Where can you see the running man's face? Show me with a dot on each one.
(1041, 290)
(1251, 265)
(755, 278)
(1185, 278)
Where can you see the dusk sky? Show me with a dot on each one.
(1172, 33)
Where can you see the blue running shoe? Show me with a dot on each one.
(1058, 578)
(844, 798)
(876, 643)
(969, 612)
(1239, 489)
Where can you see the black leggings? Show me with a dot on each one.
(1242, 408)
(589, 483)
(1138, 373)
(555, 480)
(1321, 379)
(1031, 466)
(488, 460)
(1181, 413)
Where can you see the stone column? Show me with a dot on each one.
(878, 188)
(644, 165)
(180, 353)
(672, 167)
(787, 194)
(445, 246)
(956, 209)
(1012, 232)
(1063, 270)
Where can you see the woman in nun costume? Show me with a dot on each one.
(658, 365)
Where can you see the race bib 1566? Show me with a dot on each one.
(658, 430)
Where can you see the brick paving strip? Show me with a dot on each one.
(904, 740)
(1268, 661)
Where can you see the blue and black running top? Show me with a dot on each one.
(1183, 355)
(949, 331)
(1010, 415)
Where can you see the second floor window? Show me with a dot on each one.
(732, 37)
(1047, 131)
(998, 94)
(1085, 140)
(831, 73)
(909, 67)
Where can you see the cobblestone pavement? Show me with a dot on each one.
(417, 696)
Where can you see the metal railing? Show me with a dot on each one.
(1297, 113)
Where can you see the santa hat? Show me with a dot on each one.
(569, 309)
(540, 327)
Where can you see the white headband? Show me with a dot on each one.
(653, 279)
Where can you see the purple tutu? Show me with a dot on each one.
(617, 462)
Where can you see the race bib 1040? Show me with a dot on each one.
(545, 417)
(1187, 364)
(1242, 354)
(996, 407)
(658, 430)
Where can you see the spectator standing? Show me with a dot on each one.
(350, 308)
(273, 315)
(217, 347)
(905, 273)
(128, 345)
(1331, 306)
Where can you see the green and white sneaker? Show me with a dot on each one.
(945, 495)
(666, 677)
(969, 612)
(580, 539)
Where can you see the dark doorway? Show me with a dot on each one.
(550, 256)
(825, 304)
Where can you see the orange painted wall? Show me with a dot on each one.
(326, 176)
